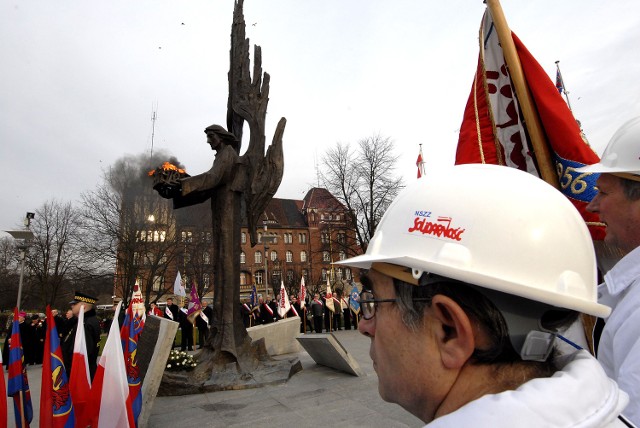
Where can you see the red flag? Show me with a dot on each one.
(18, 385)
(492, 130)
(420, 163)
(3, 402)
(110, 399)
(56, 408)
(80, 379)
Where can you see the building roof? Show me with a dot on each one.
(320, 198)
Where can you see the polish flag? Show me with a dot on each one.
(80, 379)
(110, 400)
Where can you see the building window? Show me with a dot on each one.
(305, 275)
(289, 276)
(343, 255)
(339, 274)
(288, 238)
(302, 238)
(136, 258)
(259, 237)
(186, 236)
(274, 256)
(324, 275)
(187, 258)
(258, 276)
(206, 258)
(303, 256)
(244, 237)
(257, 257)
(347, 274)
(325, 238)
(243, 257)
(243, 278)
(325, 256)
(206, 280)
(158, 280)
(341, 237)
(289, 255)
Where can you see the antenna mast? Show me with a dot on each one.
(154, 116)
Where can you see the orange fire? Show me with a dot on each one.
(167, 167)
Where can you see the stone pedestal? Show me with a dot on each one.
(279, 337)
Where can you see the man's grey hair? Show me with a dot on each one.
(630, 188)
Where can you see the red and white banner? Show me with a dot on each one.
(492, 130)
(302, 297)
(283, 301)
(110, 400)
(80, 378)
(328, 297)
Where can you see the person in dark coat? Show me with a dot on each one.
(202, 325)
(171, 312)
(91, 332)
(59, 321)
(245, 310)
(186, 325)
(38, 335)
(273, 304)
(317, 309)
(266, 313)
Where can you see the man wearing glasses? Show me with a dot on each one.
(471, 276)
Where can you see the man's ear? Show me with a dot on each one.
(453, 332)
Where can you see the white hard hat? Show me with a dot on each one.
(622, 154)
(495, 227)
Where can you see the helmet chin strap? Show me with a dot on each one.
(523, 317)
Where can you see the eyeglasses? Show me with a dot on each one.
(368, 303)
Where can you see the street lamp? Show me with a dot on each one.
(23, 238)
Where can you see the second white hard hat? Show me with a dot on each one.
(622, 154)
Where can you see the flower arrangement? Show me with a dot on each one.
(180, 360)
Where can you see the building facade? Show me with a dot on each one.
(297, 238)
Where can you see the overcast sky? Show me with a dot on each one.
(80, 79)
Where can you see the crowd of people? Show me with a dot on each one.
(315, 315)
(33, 331)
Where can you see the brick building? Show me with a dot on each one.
(297, 238)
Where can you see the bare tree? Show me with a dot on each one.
(9, 274)
(129, 229)
(56, 255)
(363, 180)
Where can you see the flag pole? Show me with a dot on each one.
(564, 88)
(531, 118)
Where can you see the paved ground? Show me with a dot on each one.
(315, 397)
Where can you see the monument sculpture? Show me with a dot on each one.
(235, 184)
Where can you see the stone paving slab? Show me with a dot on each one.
(317, 396)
